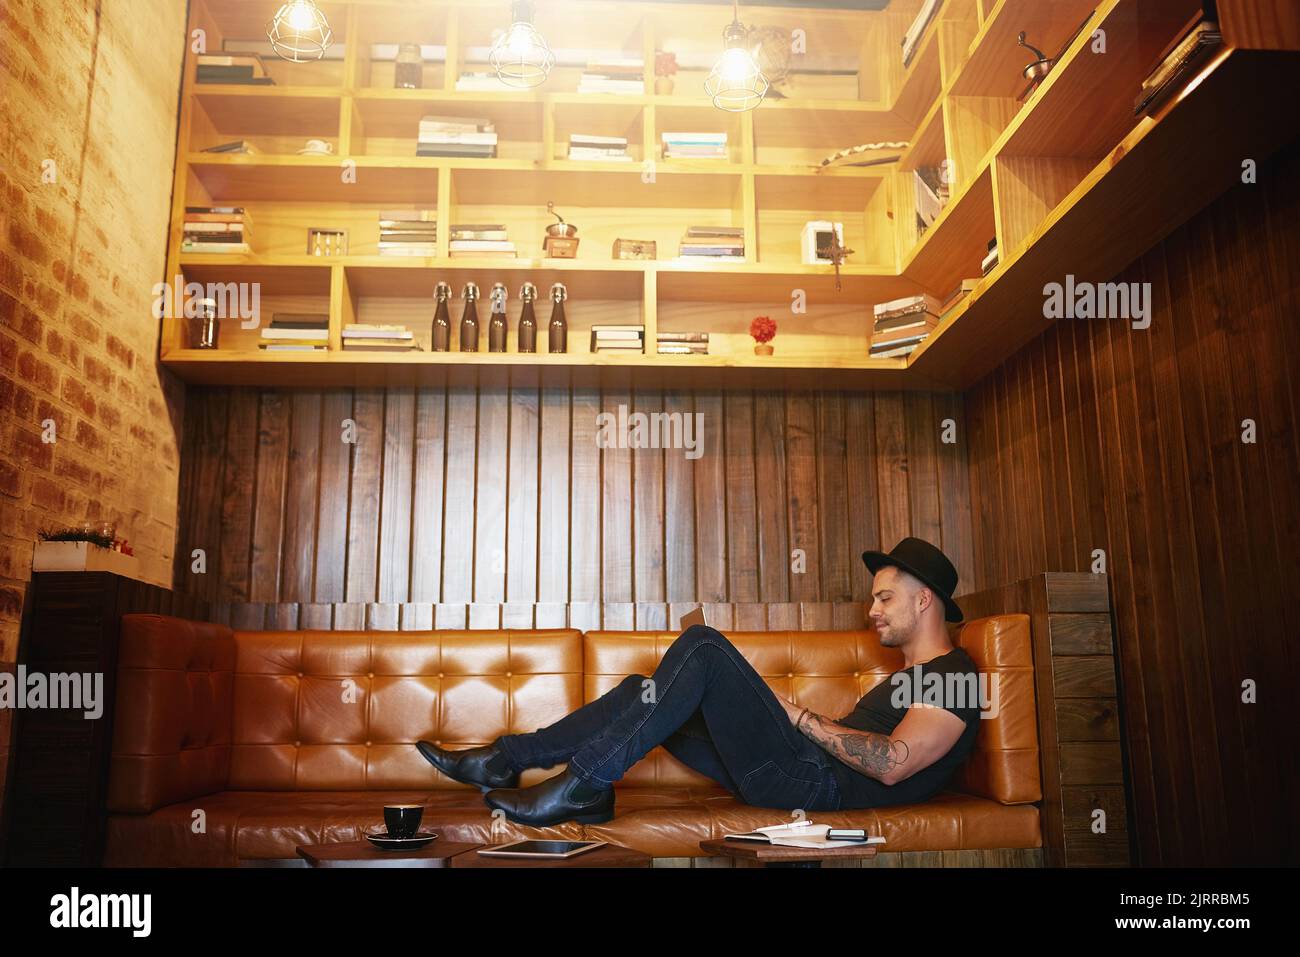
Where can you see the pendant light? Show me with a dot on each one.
(735, 84)
(299, 31)
(521, 56)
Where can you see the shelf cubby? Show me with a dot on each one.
(1066, 179)
(786, 203)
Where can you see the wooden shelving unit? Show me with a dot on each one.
(1068, 181)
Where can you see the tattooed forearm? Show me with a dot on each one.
(875, 755)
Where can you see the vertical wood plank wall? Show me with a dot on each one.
(1098, 436)
(494, 496)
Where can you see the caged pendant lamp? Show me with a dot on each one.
(299, 31)
(735, 83)
(521, 56)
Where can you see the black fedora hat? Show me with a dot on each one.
(922, 560)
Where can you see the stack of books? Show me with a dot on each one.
(296, 332)
(246, 69)
(215, 229)
(695, 145)
(481, 80)
(713, 243)
(1177, 61)
(931, 196)
(912, 38)
(625, 75)
(362, 337)
(683, 343)
(585, 146)
(408, 232)
(606, 338)
(902, 324)
(456, 136)
(480, 239)
(234, 146)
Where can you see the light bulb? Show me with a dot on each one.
(736, 66)
(300, 16)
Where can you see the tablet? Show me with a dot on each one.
(545, 849)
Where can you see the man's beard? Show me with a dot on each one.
(897, 633)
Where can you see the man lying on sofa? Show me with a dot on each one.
(712, 711)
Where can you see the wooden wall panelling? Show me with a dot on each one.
(1196, 526)
(522, 490)
(456, 496)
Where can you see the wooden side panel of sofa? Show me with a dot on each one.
(1076, 681)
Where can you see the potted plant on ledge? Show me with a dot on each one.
(763, 330)
(665, 69)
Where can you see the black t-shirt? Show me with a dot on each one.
(882, 708)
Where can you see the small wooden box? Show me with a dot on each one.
(559, 247)
(634, 249)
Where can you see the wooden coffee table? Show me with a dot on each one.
(437, 853)
(775, 855)
(611, 855)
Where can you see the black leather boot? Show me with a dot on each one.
(552, 802)
(468, 766)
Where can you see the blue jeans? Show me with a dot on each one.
(711, 710)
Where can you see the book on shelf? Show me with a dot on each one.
(192, 246)
(239, 74)
(909, 322)
(694, 145)
(683, 349)
(914, 32)
(299, 320)
(588, 147)
(470, 150)
(480, 80)
(365, 330)
(296, 334)
(716, 243)
(1175, 64)
(292, 347)
(603, 331)
(407, 249)
(379, 345)
(931, 196)
(493, 235)
(262, 47)
(458, 139)
(437, 123)
(920, 302)
(234, 146)
(991, 258)
(682, 336)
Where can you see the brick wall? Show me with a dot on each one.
(88, 94)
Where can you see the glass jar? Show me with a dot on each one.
(409, 72)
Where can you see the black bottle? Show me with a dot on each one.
(469, 319)
(559, 329)
(497, 324)
(441, 320)
(527, 319)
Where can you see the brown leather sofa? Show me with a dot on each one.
(236, 747)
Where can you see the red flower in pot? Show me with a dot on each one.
(763, 330)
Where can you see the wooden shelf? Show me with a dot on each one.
(1134, 197)
(1068, 181)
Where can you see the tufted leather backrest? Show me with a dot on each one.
(829, 671)
(337, 710)
(171, 726)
